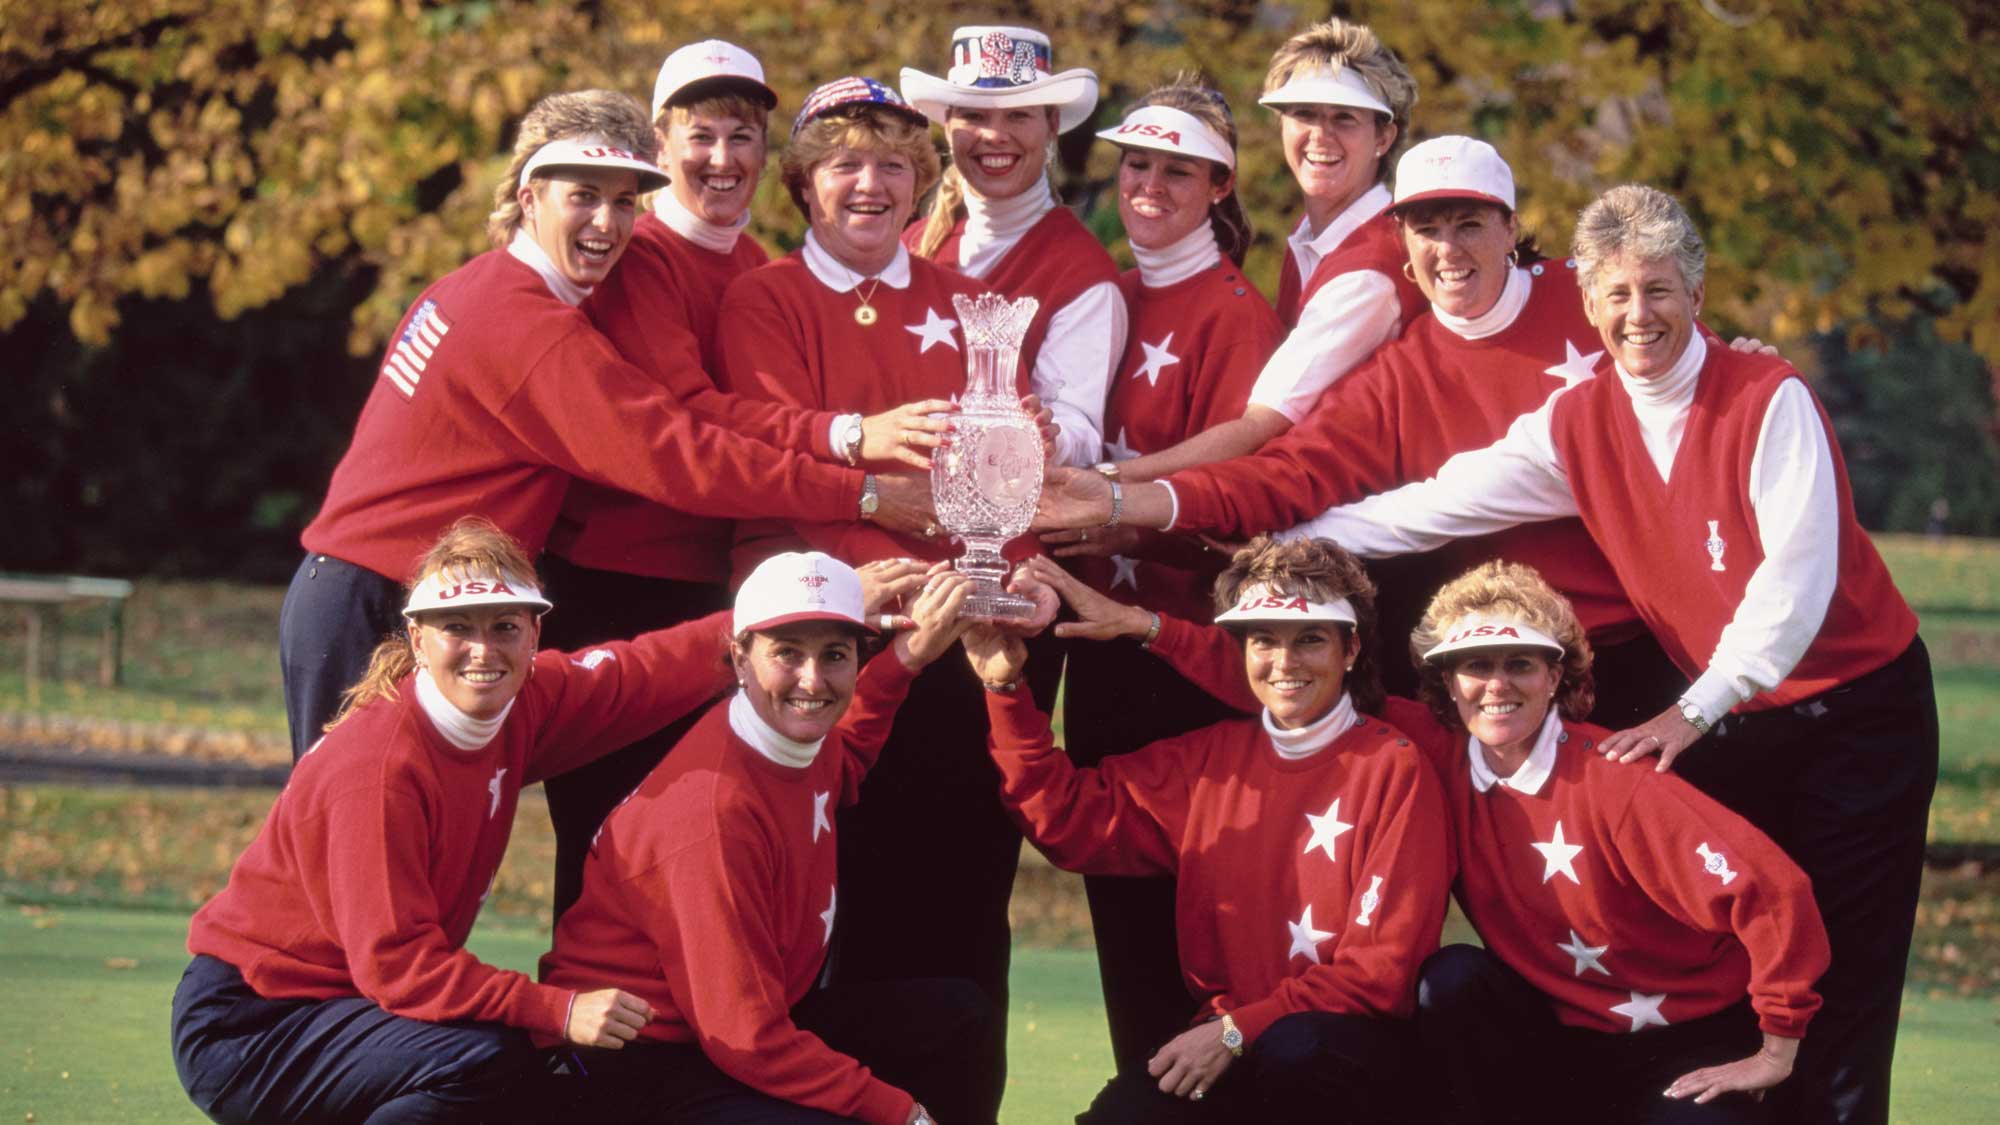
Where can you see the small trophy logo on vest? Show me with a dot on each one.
(1715, 863)
(1715, 546)
(1370, 899)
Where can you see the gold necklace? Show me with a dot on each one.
(865, 315)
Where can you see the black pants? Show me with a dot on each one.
(596, 606)
(928, 1038)
(335, 613)
(1842, 782)
(1118, 698)
(243, 1058)
(1308, 1068)
(1635, 681)
(1494, 1043)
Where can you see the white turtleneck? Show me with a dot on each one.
(1086, 337)
(456, 727)
(1513, 298)
(530, 253)
(752, 729)
(1303, 742)
(696, 229)
(1529, 776)
(1179, 260)
(1519, 479)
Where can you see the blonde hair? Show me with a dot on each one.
(617, 118)
(1319, 570)
(738, 106)
(470, 548)
(1335, 44)
(948, 207)
(1190, 94)
(865, 129)
(1513, 592)
(1644, 222)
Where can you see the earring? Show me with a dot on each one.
(1410, 273)
(1513, 259)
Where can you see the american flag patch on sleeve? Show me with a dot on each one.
(414, 348)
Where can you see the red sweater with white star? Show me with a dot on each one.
(659, 309)
(1308, 885)
(793, 340)
(710, 892)
(1399, 416)
(1374, 245)
(369, 871)
(495, 394)
(1193, 351)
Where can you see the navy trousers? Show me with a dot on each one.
(334, 615)
(244, 1058)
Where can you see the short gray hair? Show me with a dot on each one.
(1641, 221)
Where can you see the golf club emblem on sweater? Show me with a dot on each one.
(493, 787)
(1715, 863)
(1715, 546)
(1370, 899)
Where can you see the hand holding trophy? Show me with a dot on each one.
(985, 483)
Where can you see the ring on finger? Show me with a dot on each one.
(930, 531)
(1083, 536)
(1197, 1094)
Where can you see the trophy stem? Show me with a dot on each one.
(988, 570)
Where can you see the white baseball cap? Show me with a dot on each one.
(1166, 129)
(712, 66)
(1491, 632)
(447, 590)
(799, 586)
(1320, 86)
(1453, 168)
(593, 152)
(1264, 602)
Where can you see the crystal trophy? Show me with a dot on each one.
(985, 483)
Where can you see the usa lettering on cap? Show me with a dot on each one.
(1474, 633)
(454, 590)
(1263, 602)
(1166, 129)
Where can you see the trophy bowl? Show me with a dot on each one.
(984, 485)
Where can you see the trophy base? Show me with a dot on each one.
(998, 604)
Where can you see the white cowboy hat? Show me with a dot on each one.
(1001, 68)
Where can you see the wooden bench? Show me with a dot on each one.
(42, 597)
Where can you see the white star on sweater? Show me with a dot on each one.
(1305, 939)
(1325, 830)
(934, 330)
(1557, 855)
(1586, 955)
(1158, 359)
(1576, 366)
(827, 914)
(1642, 1009)
(1118, 450)
(1127, 571)
(820, 822)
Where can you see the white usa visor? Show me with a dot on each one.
(1479, 632)
(1171, 130)
(1261, 602)
(452, 591)
(1326, 87)
(592, 152)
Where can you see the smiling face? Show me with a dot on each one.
(1297, 669)
(1503, 694)
(1458, 251)
(1162, 198)
(1644, 311)
(1335, 153)
(1000, 153)
(715, 160)
(859, 201)
(799, 678)
(582, 218)
(479, 656)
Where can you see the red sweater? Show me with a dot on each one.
(710, 892)
(1374, 245)
(1211, 335)
(366, 877)
(1657, 533)
(1313, 885)
(659, 309)
(517, 394)
(1396, 419)
(1054, 263)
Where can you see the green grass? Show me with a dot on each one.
(83, 1037)
(1948, 573)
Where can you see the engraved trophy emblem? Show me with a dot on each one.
(985, 484)
(1715, 546)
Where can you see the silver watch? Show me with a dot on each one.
(850, 440)
(1693, 715)
(871, 496)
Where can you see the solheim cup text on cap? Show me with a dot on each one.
(1454, 168)
(445, 590)
(1476, 632)
(1166, 129)
(1262, 602)
(1002, 68)
(798, 586)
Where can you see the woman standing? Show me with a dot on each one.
(996, 220)
(497, 392)
(1200, 333)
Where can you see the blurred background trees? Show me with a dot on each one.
(215, 210)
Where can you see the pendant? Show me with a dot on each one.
(864, 316)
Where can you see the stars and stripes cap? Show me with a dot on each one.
(1264, 602)
(849, 95)
(592, 152)
(798, 586)
(1453, 168)
(1321, 86)
(448, 589)
(1491, 632)
(707, 68)
(1166, 129)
